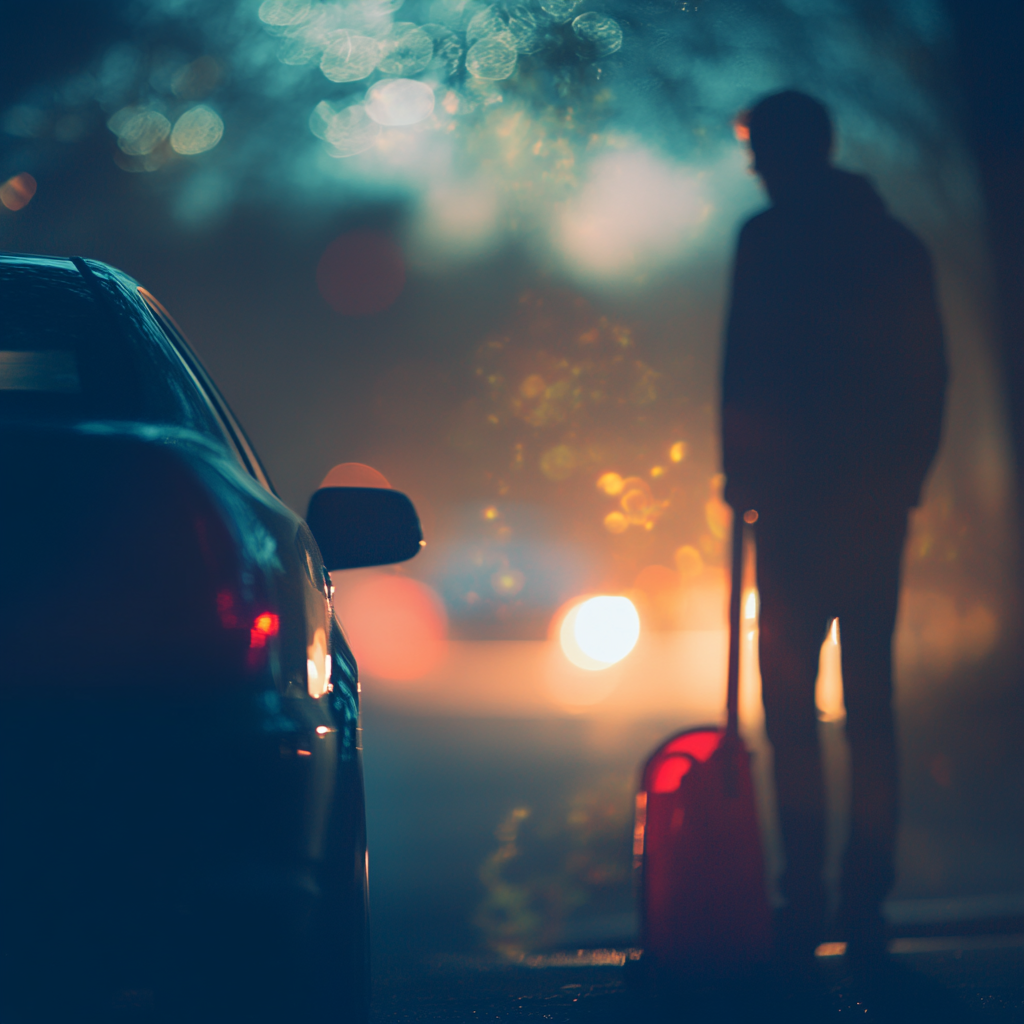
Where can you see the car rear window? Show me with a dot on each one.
(69, 353)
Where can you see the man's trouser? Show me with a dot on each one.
(811, 568)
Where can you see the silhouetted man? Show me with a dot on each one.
(832, 401)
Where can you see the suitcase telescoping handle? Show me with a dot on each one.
(732, 702)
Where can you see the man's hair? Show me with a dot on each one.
(790, 127)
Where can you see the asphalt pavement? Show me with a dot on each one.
(969, 980)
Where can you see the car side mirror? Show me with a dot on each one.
(356, 527)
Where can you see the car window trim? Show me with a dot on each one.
(210, 391)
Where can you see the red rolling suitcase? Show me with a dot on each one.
(704, 908)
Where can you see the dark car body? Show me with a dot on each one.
(182, 799)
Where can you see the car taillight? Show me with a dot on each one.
(264, 625)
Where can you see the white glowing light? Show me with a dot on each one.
(406, 51)
(399, 101)
(492, 59)
(750, 607)
(635, 211)
(349, 57)
(139, 131)
(602, 34)
(599, 632)
(196, 131)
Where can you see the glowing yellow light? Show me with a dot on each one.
(490, 512)
(616, 522)
(323, 730)
(610, 483)
(657, 471)
(508, 582)
(599, 632)
(833, 633)
(678, 451)
(750, 605)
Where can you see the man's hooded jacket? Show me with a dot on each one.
(835, 371)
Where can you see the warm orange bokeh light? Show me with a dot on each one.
(17, 192)
(397, 626)
(354, 474)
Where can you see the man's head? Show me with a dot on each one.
(791, 136)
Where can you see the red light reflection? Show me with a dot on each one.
(699, 745)
(679, 755)
(669, 774)
(361, 272)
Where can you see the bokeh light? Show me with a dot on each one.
(354, 474)
(600, 631)
(399, 101)
(600, 35)
(139, 130)
(688, 561)
(492, 59)
(17, 192)
(361, 272)
(397, 626)
(407, 50)
(347, 130)
(196, 131)
(349, 57)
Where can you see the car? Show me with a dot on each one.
(182, 798)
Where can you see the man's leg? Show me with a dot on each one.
(867, 618)
(791, 633)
